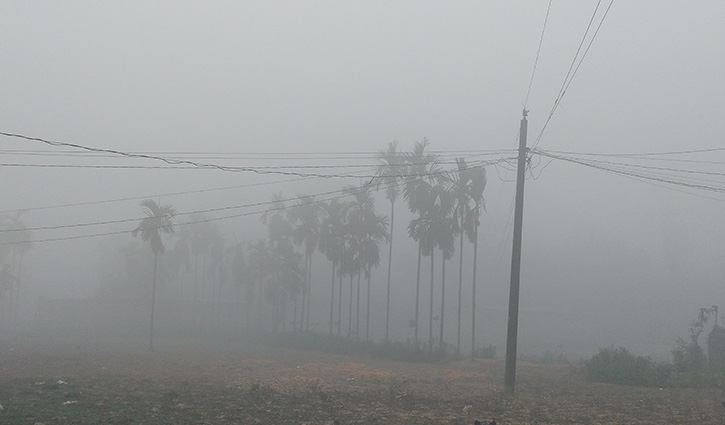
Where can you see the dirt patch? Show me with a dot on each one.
(195, 382)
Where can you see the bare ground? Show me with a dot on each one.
(121, 382)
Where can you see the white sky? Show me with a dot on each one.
(339, 76)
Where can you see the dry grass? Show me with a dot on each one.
(183, 383)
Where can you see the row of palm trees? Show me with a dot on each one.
(447, 205)
(349, 232)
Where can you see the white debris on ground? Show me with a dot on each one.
(62, 382)
(70, 402)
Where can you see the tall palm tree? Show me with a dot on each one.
(423, 171)
(369, 229)
(306, 217)
(331, 244)
(444, 224)
(356, 215)
(159, 219)
(260, 270)
(478, 184)
(390, 175)
(284, 287)
(461, 186)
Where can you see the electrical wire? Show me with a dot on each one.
(341, 193)
(571, 74)
(538, 51)
(661, 178)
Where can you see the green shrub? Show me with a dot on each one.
(688, 357)
(619, 366)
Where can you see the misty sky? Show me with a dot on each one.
(630, 261)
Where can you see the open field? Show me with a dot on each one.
(120, 382)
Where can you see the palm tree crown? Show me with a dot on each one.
(158, 219)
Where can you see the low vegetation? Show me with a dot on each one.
(690, 366)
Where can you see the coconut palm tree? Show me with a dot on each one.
(461, 186)
(422, 172)
(356, 215)
(478, 184)
(444, 224)
(306, 217)
(331, 244)
(390, 175)
(159, 219)
(368, 230)
(260, 271)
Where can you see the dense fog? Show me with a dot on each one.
(622, 229)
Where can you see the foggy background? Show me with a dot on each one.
(606, 259)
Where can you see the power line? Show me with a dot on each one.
(158, 195)
(182, 162)
(538, 50)
(570, 74)
(249, 155)
(655, 178)
(340, 193)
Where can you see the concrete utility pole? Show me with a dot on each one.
(513, 323)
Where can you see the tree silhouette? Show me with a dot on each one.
(390, 175)
(478, 184)
(368, 230)
(331, 244)
(461, 189)
(423, 171)
(159, 219)
(306, 217)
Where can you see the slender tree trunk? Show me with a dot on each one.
(304, 295)
(332, 297)
(460, 288)
(357, 307)
(390, 262)
(473, 296)
(417, 294)
(443, 300)
(349, 316)
(309, 291)
(153, 304)
(284, 315)
(430, 316)
(339, 308)
(367, 310)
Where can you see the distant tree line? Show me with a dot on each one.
(276, 271)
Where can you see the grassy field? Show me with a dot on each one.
(120, 382)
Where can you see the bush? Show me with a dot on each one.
(688, 357)
(619, 366)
